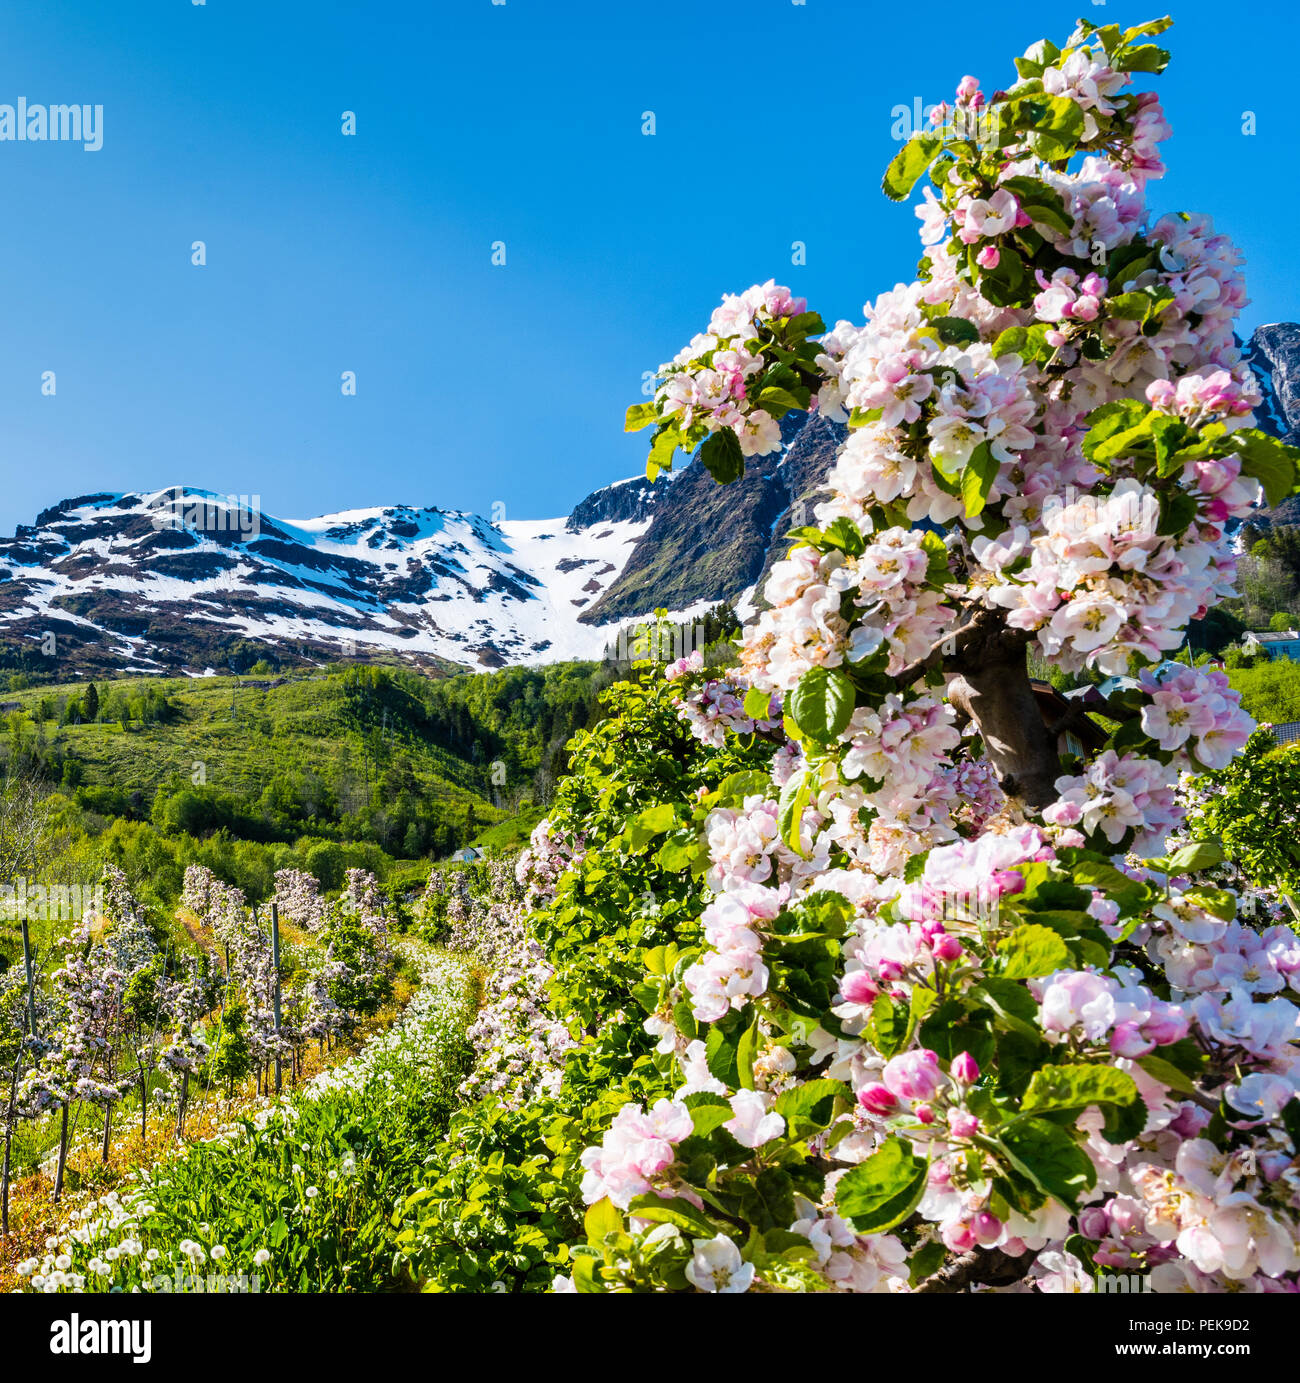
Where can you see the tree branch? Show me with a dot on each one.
(979, 1268)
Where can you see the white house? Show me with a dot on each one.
(1284, 644)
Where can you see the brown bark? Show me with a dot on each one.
(980, 1267)
(990, 684)
(63, 1154)
(9, 1138)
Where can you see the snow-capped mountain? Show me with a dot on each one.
(177, 579)
(173, 581)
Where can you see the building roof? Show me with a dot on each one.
(1285, 636)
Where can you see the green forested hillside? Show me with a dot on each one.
(353, 766)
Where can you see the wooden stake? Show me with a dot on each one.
(275, 961)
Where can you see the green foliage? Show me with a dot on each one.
(1270, 690)
(231, 1060)
(1252, 807)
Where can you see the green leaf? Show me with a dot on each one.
(1167, 1074)
(1031, 951)
(1122, 1123)
(769, 1204)
(746, 1049)
(955, 331)
(1007, 283)
(1149, 29)
(883, 1190)
(1193, 857)
(749, 782)
(666, 441)
(1218, 902)
(1110, 420)
(1042, 202)
(657, 818)
(640, 415)
(757, 706)
(806, 324)
(673, 1212)
(845, 535)
(1267, 460)
(929, 1258)
(908, 165)
(793, 803)
(720, 1057)
(1012, 1003)
(1129, 307)
(891, 1025)
(778, 402)
(822, 703)
(809, 1107)
(1147, 58)
(601, 1219)
(722, 457)
(1050, 1158)
(708, 1112)
(1077, 1087)
(1013, 341)
(977, 479)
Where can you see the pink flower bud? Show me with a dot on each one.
(987, 1228)
(914, 1075)
(859, 987)
(1127, 1040)
(924, 1113)
(989, 257)
(965, 1068)
(947, 947)
(1166, 1025)
(877, 1099)
(1161, 393)
(962, 1125)
(1094, 1223)
(959, 1237)
(1008, 882)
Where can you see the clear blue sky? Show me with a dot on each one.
(475, 123)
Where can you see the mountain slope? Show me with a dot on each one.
(123, 586)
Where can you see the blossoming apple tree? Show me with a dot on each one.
(958, 1015)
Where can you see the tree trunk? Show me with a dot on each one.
(108, 1128)
(63, 1154)
(4, 1181)
(180, 1104)
(992, 687)
(4, 1171)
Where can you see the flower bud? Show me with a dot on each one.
(958, 1236)
(987, 1228)
(947, 947)
(877, 1099)
(965, 1068)
(961, 1124)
